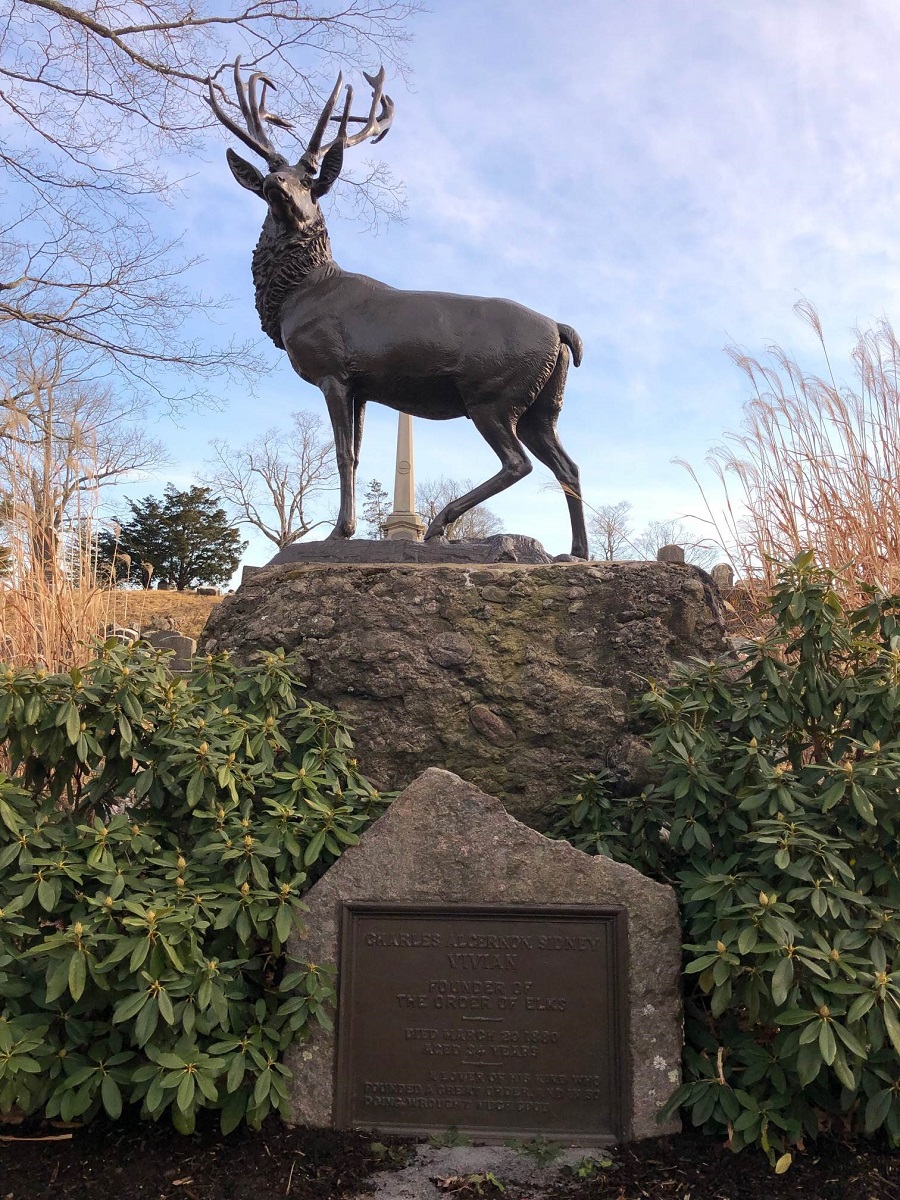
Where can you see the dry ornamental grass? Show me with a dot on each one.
(816, 464)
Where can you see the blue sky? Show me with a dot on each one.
(665, 176)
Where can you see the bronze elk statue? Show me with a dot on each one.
(430, 354)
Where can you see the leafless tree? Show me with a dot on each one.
(612, 537)
(609, 529)
(435, 494)
(94, 101)
(273, 482)
(64, 436)
(675, 533)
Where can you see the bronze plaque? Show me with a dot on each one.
(502, 1021)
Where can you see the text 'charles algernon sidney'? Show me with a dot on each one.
(482, 941)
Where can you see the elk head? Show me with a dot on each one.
(293, 192)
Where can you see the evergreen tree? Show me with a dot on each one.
(186, 537)
(376, 509)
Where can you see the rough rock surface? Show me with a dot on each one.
(516, 677)
(442, 840)
(501, 547)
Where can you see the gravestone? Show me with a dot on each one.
(181, 647)
(722, 576)
(490, 979)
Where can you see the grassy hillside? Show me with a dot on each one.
(145, 610)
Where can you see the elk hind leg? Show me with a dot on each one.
(497, 430)
(537, 430)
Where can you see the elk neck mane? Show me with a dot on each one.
(281, 262)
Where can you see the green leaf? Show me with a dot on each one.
(747, 939)
(891, 1022)
(165, 1006)
(235, 1075)
(195, 788)
(833, 795)
(184, 1097)
(283, 923)
(877, 1108)
(184, 1122)
(860, 1007)
(145, 1024)
(9, 818)
(782, 980)
(46, 894)
(809, 1063)
(853, 1044)
(139, 954)
(314, 849)
(128, 1008)
(233, 1110)
(77, 975)
(172, 954)
(57, 980)
(863, 804)
(72, 722)
(794, 1016)
(112, 1097)
(261, 1087)
(827, 1043)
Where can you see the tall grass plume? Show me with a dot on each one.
(816, 464)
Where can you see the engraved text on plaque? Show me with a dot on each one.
(501, 1021)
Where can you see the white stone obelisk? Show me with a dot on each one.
(404, 524)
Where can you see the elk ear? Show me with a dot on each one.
(245, 173)
(331, 168)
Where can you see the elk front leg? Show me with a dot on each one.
(344, 425)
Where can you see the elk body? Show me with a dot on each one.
(430, 354)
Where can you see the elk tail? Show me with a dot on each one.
(570, 338)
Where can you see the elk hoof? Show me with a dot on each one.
(435, 532)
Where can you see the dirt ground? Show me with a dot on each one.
(130, 1160)
(133, 1160)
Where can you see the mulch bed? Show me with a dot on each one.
(130, 1160)
(692, 1167)
(134, 1160)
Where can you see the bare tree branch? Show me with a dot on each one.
(609, 528)
(96, 100)
(63, 437)
(435, 494)
(272, 482)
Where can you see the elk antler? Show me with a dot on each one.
(374, 126)
(254, 114)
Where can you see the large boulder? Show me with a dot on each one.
(514, 676)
